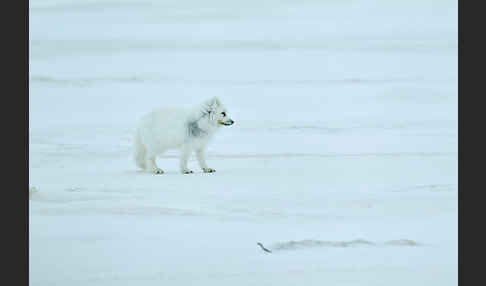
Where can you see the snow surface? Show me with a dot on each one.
(342, 161)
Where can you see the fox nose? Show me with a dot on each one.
(231, 122)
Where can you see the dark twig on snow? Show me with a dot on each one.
(263, 247)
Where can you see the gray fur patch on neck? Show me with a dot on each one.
(194, 130)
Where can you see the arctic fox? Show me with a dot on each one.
(187, 130)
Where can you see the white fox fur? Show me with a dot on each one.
(187, 130)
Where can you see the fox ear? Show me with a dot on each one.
(214, 102)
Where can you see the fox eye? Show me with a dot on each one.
(223, 113)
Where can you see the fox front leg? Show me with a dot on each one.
(200, 154)
(152, 166)
(183, 160)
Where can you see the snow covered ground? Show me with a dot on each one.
(343, 158)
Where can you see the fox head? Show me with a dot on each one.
(218, 112)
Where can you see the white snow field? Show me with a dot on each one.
(342, 161)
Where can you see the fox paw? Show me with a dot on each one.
(209, 170)
(187, 172)
(158, 171)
